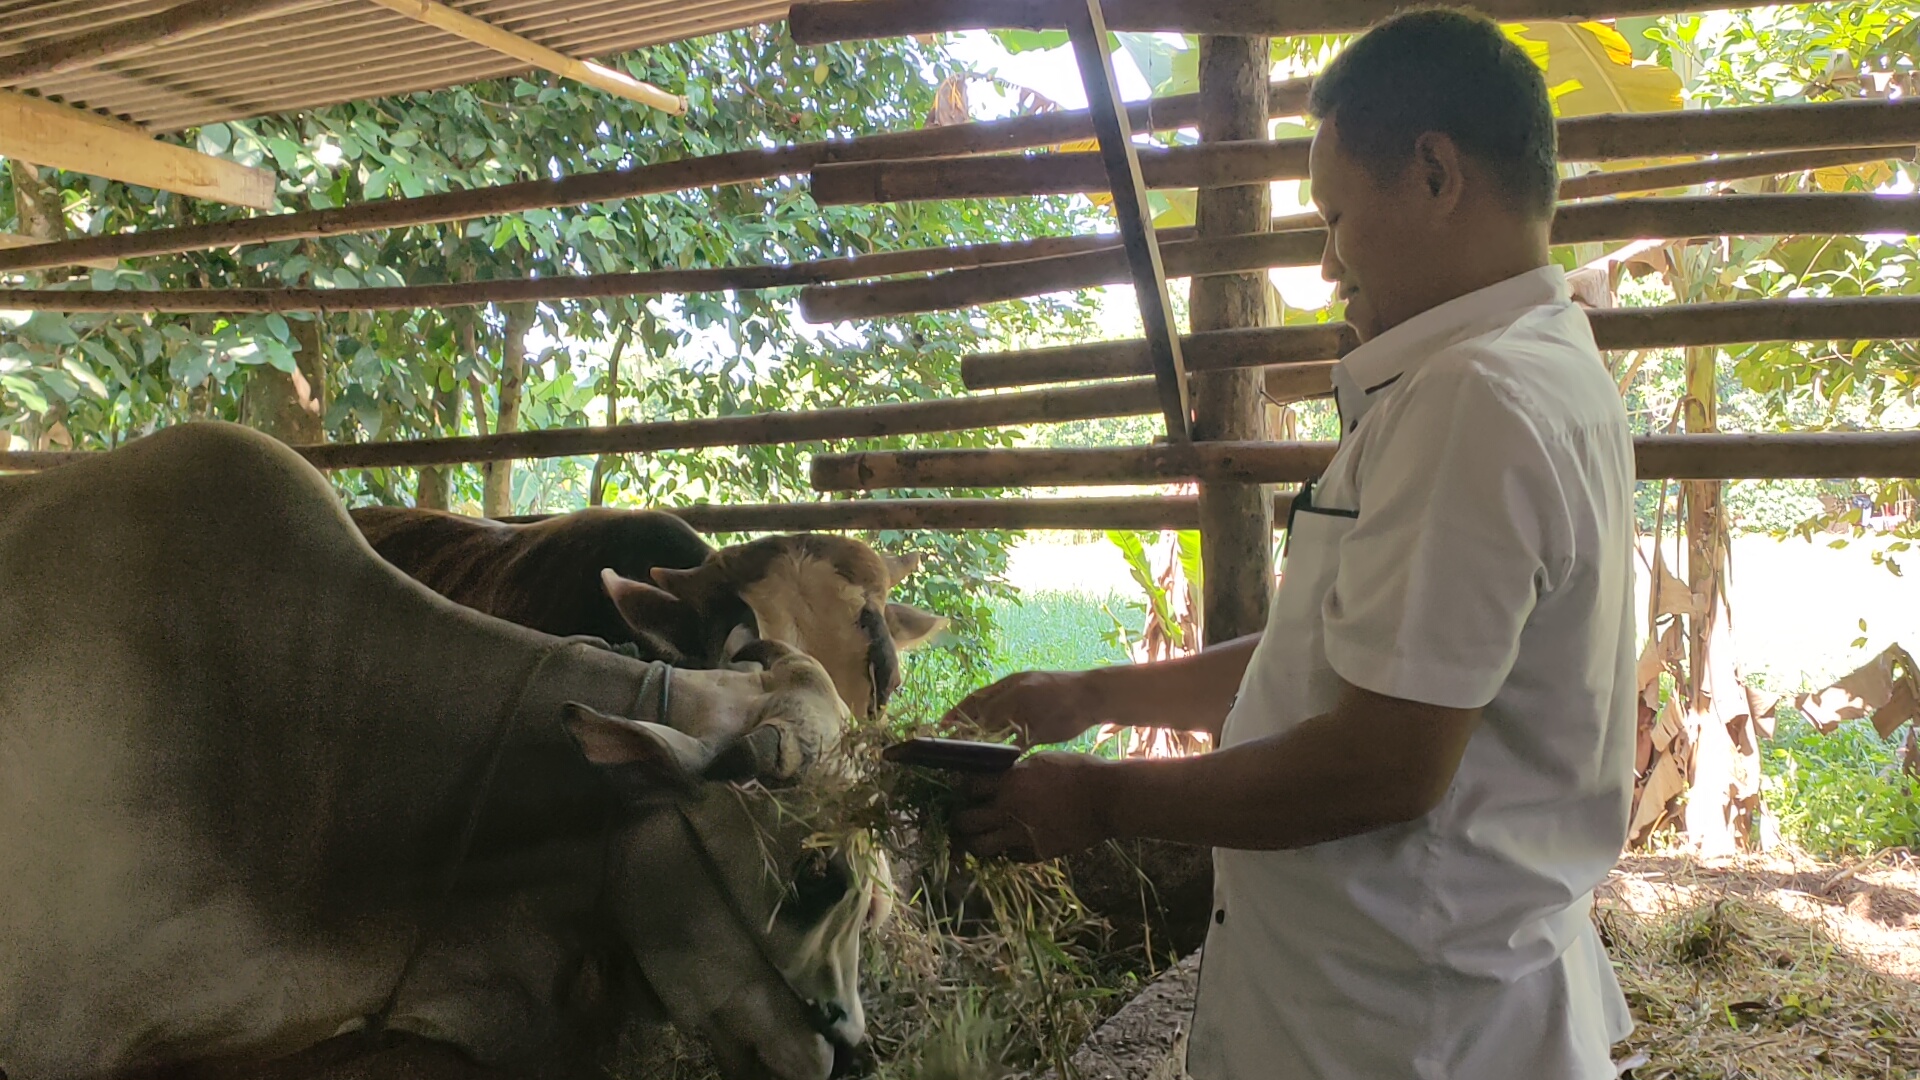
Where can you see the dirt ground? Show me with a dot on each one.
(1758, 967)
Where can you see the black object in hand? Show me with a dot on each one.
(953, 755)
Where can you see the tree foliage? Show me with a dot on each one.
(93, 381)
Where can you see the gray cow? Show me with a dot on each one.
(258, 788)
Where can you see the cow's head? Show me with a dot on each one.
(745, 926)
(824, 595)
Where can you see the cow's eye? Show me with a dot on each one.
(819, 882)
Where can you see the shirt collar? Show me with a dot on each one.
(1363, 373)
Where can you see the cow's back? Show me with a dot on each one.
(545, 574)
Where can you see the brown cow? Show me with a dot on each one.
(647, 578)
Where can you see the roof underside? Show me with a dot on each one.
(330, 51)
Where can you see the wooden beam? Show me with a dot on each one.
(45, 133)
(481, 32)
(738, 167)
(1814, 456)
(1610, 137)
(867, 515)
(818, 22)
(1314, 347)
(9, 241)
(524, 290)
(1722, 169)
(1017, 176)
(1006, 271)
(1633, 219)
(1088, 33)
(129, 36)
(1136, 397)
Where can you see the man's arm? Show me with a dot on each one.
(1372, 762)
(1192, 693)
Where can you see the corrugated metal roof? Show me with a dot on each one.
(329, 51)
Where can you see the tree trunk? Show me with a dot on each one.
(497, 495)
(291, 406)
(602, 465)
(436, 481)
(1236, 520)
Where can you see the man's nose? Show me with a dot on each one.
(1330, 266)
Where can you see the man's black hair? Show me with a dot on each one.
(1448, 71)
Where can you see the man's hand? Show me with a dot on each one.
(1042, 707)
(1046, 806)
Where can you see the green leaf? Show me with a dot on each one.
(214, 139)
(1019, 41)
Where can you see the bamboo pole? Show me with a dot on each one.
(1732, 322)
(523, 290)
(1087, 32)
(1632, 219)
(989, 272)
(1609, 137)
(1015, 176)
(481, 32)
(115, 40)
(1716, 170)
(867, 515)
(1820, 455)
(821, 21)
(1126, 398)
(738, 167)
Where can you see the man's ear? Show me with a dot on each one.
(910, 627)
(651, 751)
(1436, 157)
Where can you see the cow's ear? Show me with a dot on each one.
(701, 586)
(647, 750)
(899, 567)
(658, 619)
(910, 627)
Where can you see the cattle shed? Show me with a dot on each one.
(121, 70)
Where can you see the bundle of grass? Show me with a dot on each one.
(991, 973)
(1725, 984)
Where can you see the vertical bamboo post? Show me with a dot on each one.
(1236, 520)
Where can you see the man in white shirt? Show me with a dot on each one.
(1427, 766)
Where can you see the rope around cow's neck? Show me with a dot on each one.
(660, 674)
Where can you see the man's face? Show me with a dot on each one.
(1376, 235)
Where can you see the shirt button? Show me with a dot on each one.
(1220, 917)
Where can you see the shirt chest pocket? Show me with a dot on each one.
(1288, 678)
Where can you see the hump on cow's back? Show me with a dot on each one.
(213, 471)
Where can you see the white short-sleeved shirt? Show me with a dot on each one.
(1469, 546)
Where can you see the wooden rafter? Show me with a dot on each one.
(481, 32)
(1088, 34)
(45, 133)
(131, 36)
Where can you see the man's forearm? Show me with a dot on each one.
(1192, 693)
(1348, 772)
